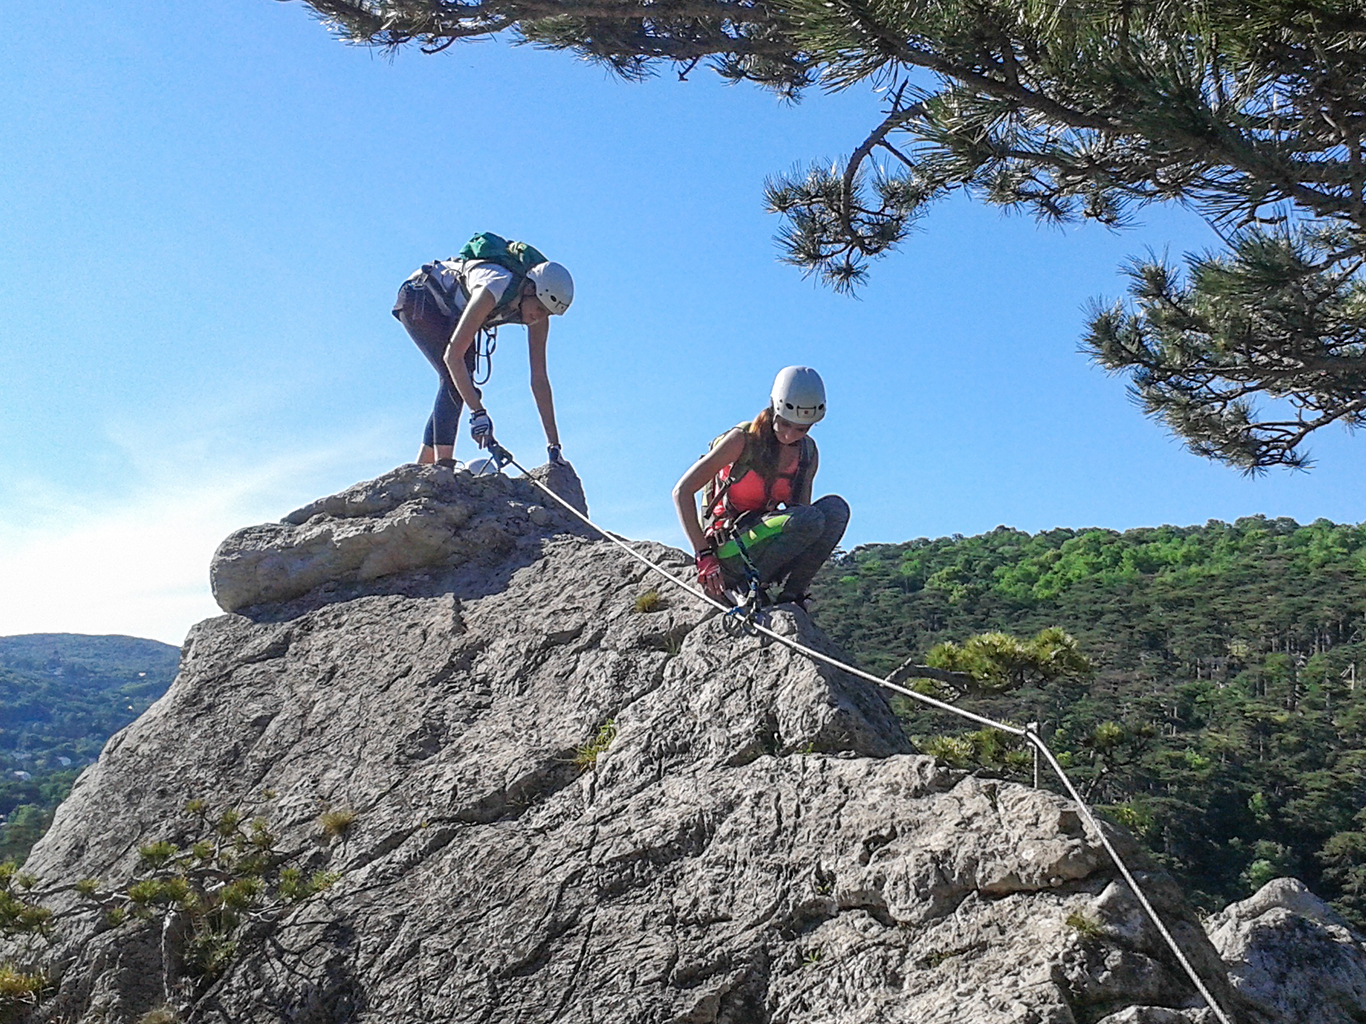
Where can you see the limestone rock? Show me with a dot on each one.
(758, 843)
(412, 517)
(1292, 956)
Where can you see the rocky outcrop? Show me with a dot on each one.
(1292, 956)
(757, 843)
(405, 520)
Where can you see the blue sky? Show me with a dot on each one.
(207, 208)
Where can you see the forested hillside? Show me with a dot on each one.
(61, 697)
(1224, 722)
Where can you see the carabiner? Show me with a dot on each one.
(500, 455)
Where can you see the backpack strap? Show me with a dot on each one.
(714, 493)
(505, 310)
(804, 461)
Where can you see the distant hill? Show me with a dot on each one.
(1226, 723)
(62, 695)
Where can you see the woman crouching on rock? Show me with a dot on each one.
(757, 511)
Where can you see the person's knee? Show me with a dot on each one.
(806, 523)
(834, 508)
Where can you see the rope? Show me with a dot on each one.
(1029, 735)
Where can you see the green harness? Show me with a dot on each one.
(743, 539)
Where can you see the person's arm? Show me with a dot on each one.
(803, 497)
(536, 335)
(477, 310)
(685, 491)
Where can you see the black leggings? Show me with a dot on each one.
(788, 546)
(431, 329)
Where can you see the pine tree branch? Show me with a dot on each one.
(891, 123)
(963, 682)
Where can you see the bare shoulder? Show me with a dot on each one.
(732, 443)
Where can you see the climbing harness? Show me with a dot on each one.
(1028, 734)
(718, 517)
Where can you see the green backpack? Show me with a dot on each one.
(486, 247)
(716, 488)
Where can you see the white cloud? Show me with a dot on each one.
(136, 560)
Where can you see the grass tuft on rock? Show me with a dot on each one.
(337, 823)
(162, 1014)
(18, 988)
(1084, 924)
(587, 755)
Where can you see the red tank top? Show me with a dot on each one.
(751, 493)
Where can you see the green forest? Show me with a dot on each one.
(1222, 722)
(61, 697)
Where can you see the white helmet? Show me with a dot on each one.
(799, 395)
(554, 286)
(483, 467)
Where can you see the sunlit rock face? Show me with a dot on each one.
(757, 842)
(412, 518)
(1292, 956)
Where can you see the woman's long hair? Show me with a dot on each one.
(764, 443)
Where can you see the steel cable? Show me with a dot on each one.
(1028, 734)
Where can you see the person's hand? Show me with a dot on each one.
(709, 574)
(556, 457)
(481, 428)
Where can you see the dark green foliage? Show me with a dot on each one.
(28, 820)
(223, 873)
(1248, 112)
(61, 697)
(1225, 725)
(1279, 314)
(27, 923)
(20, 914)
(740, 39)
(226, 880)
(999, 662)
